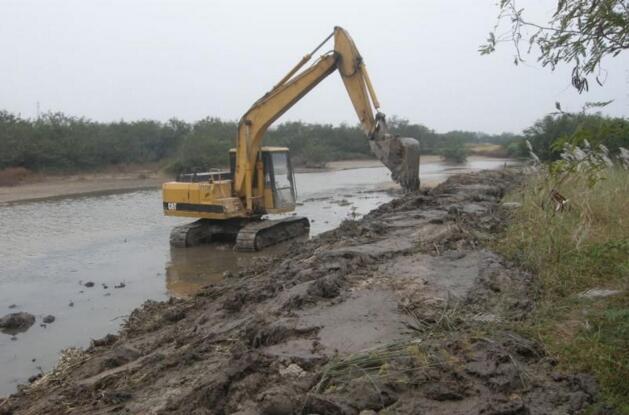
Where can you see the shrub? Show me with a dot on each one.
(454, 153)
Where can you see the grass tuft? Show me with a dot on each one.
(585, 245)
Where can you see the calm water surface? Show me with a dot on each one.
(50, 249)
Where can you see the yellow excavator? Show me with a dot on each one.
(261, 180)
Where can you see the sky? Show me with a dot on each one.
(189, 59)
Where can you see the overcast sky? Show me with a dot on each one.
(132, 59)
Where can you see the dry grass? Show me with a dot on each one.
(12, 176)
(583, 246)
(378, 365)
(488, 150)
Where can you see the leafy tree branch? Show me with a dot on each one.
(580, 33)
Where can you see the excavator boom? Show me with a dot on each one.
(399, 155)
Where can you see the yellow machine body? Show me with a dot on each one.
(211, 195)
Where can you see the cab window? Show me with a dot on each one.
(284, 193)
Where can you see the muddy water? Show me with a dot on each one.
(49, 250)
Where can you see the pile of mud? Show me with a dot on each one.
(402, 312)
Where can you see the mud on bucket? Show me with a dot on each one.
(401, 156)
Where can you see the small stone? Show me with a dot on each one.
(174, 315)
(17, 322)
(105, 286)
(121, 285)
(48, 319)
(292, 370)
(228, 274)
(13, 306)
(108, 340)
(89, 284)
(71, 304)
(512, 205)
(13, 338)
(34, 378)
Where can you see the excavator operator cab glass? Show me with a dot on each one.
(279, 177)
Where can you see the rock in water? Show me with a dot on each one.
(16, 322)
(49, 319)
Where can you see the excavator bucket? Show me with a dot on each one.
(401, 156)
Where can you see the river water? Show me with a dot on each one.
(50, 249)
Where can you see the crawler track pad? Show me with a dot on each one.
(258, 235)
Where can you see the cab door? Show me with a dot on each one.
(282, 180)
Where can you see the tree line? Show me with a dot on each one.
(549, 135)
(59, 142)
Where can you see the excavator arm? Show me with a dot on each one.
(400, 155)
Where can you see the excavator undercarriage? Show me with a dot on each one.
(249, 235)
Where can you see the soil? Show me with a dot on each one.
(404, 311)
(49, 187)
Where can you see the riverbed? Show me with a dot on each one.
(52, 249)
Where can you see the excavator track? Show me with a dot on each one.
(204, 231)
(258, 235)
(249, 235)
(190, 234)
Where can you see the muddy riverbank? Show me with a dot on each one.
(404, 310)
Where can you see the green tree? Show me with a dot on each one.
(454, 150)
(58, 142)
(548, 135)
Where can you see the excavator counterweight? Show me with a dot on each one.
(260, 180)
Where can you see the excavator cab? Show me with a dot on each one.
(278, 194)
(279, 176)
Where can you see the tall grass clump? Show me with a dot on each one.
(572, 232)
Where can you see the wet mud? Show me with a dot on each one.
(402, 311)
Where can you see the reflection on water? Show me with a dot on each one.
(50, 249)
(191, 269)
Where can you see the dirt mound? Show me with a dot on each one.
(403, 310)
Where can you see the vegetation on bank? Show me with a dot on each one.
(549, 135)
(58, 142)
(579, 251)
